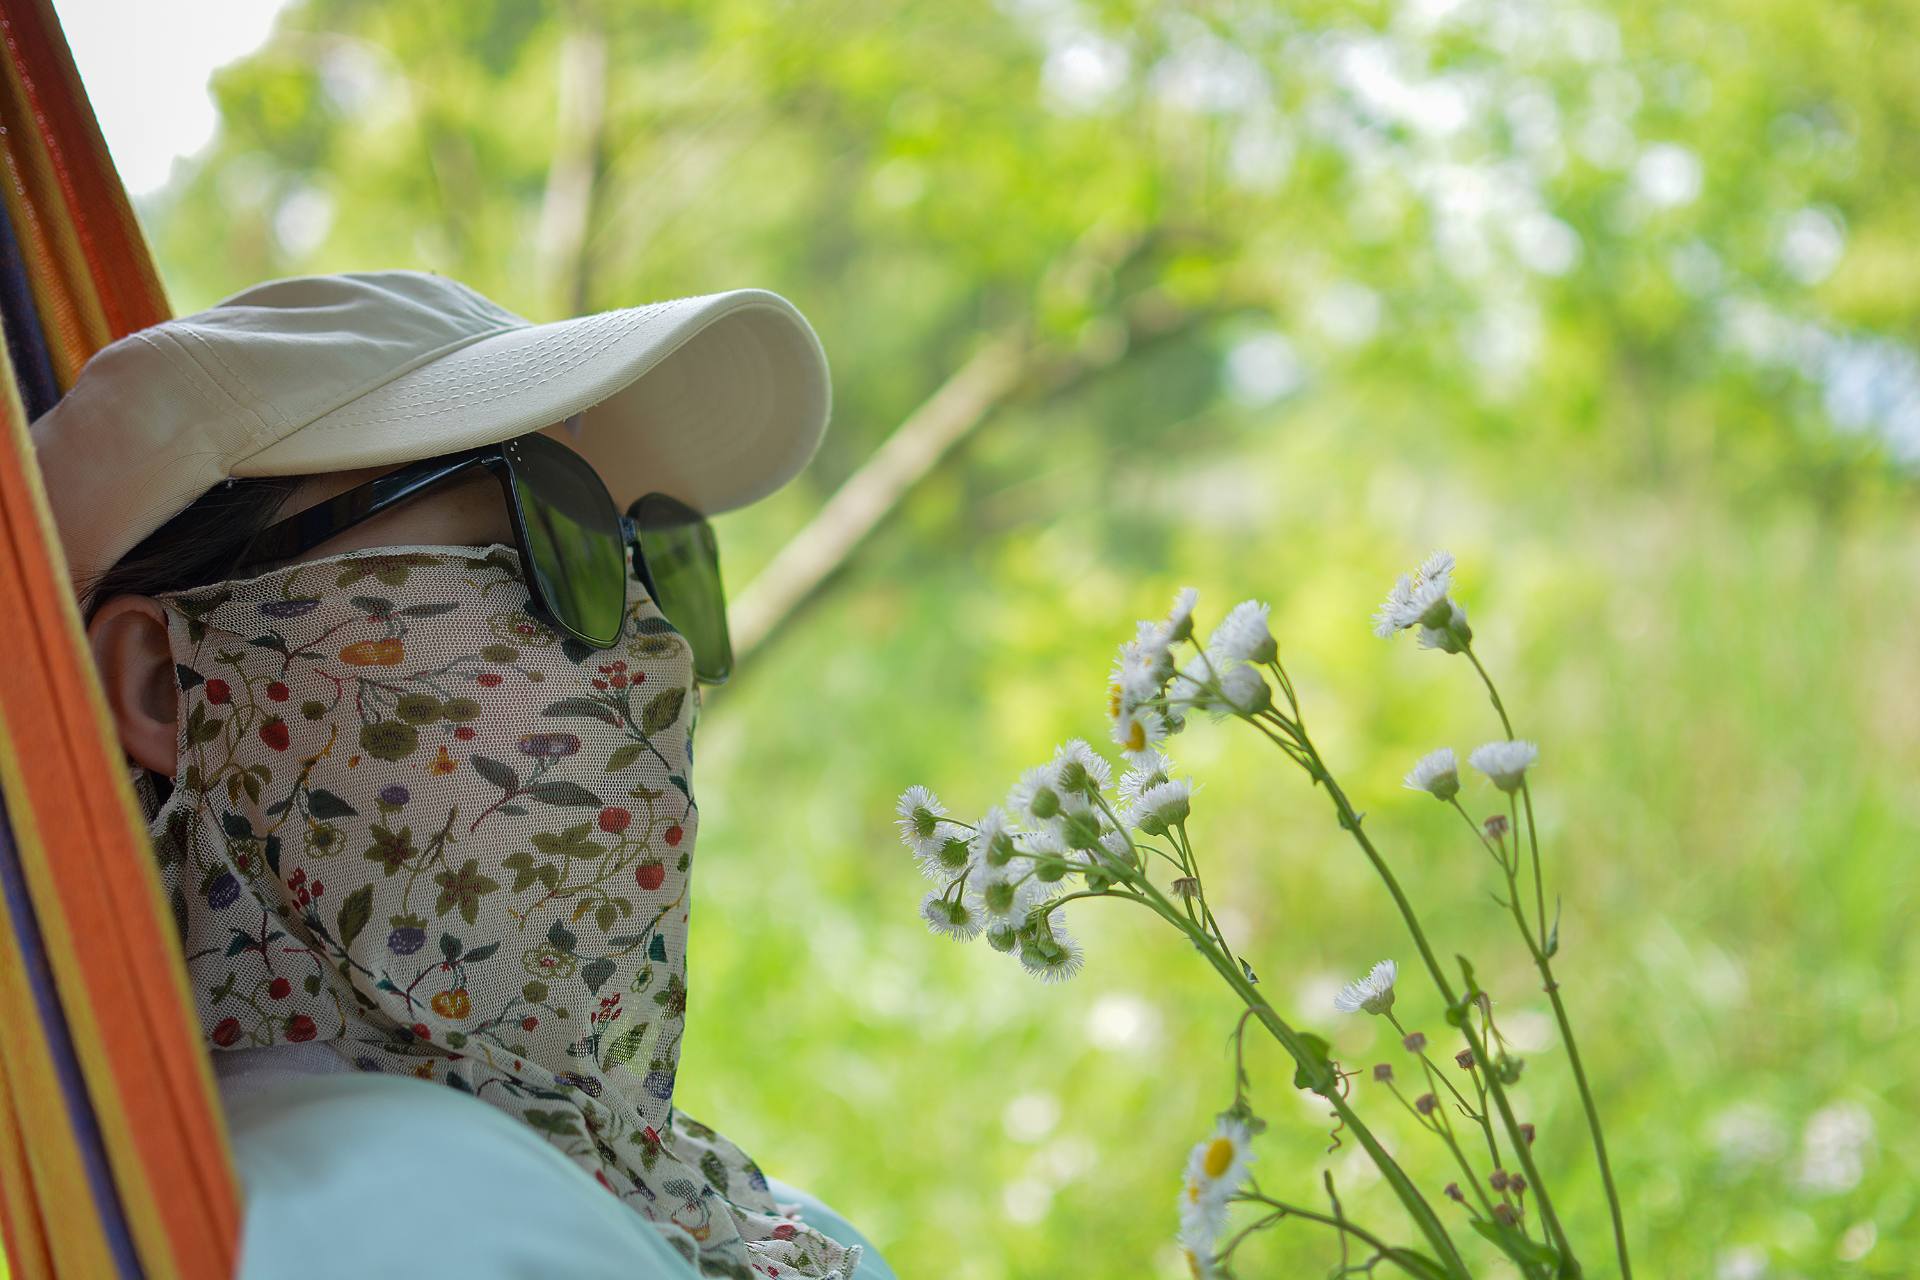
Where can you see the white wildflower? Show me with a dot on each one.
(920, 812)
(1505, 762)
(1192, 686)
(1219, 1164)
(959, 918)
(1243, 635)
(1138, 730)
(993, 839)
(1149, 652)
(1418, 599)
(1049, 952)
(1216, 1167)
(1007, 896)
(1179, 623)
(1203, 1219)
(1035, 799)
(1149, 770)
(1116, 849)
(1163, 805)
(1244, 689)
(1451, 638)
(1371, 994)
(1080, 771)
(1129, 686)
(1437, 773)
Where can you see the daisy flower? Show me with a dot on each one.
(1179, 623)
(1150, 769)
(1244, 689)
(1371, 994)
(1435, 773)
(1137, 730)
(1417, 599)
(1035, 799)
(1219, 1163)
(1116, 849)
(1149, 652)
(993, 838)
(1200, 1228)
(957, 918)
(1451, 638)
(1049, 952)
(920, 812)
(1165, 804)
(1505, 762)
(1079, 770)
(1005, 899)
(1243, 635)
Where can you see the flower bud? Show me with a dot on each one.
(1504, 1212)
(1509, 1068)
(1383, 1073)
(1465, 1059)
(1050, 871)
(1526, 1131)
(1002, 937)
(1425, 1104)
(1186, 886)
(1000, 849)
(1073, 777)
(1495, 827)
(1045, 802)
(1081, 830)
(1517, 1185)
(954, 853)
(1497, 1179)
(1414, 1042)
(1453, 1192)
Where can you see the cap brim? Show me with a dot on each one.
(718, 400)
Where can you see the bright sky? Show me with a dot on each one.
(145, 64)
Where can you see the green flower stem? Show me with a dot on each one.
(1317, 769)
(1545, 966)
(1417, 1207)
(1478, 1114)
(1281, 1209)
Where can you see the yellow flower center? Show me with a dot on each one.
(1219, 1156)
(1113, 700)
(1137, 737)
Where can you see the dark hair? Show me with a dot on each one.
(199, 545)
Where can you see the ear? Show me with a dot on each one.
(128, 636)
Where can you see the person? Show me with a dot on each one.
(409, 704)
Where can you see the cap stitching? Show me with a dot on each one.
(475, 387)
(267, 413)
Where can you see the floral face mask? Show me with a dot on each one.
(413, 824)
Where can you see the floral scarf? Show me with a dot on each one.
(414, 823)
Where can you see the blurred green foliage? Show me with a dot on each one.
(1616, 302)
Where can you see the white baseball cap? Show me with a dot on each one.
(717, 400)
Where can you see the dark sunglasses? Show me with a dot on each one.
(571, 537)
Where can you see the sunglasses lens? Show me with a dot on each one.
(579, 562)
(683, 559)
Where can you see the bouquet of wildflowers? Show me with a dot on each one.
(1067, 831)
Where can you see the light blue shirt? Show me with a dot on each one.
(358, 1174)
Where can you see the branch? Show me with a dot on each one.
(1007, 366)
(567, 208)
(827, 540)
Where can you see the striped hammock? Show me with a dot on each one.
(113, 1153)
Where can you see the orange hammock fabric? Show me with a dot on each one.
(113, 1153)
